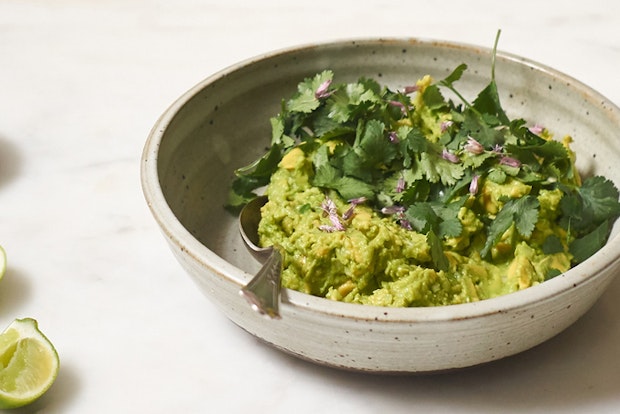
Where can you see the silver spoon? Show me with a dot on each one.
(263, 291)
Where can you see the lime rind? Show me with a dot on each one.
(29, 363)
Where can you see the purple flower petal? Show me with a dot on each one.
(497, 149)
(322, 90)
(536, 129)
(358, 200)
(393, 138)
(393, 209)
(448, 156)
(400, 105)
(510, 162)
(330, 210)
(445, 125)
(400, 185)
(473, 186)
(473, 146)
(405, 224)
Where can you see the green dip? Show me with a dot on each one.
(376, 261)
(408, 199)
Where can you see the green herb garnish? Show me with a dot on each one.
(373, 144)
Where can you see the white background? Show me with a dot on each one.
(82, 83)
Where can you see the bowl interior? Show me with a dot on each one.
(223, 122)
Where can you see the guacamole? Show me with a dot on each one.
(406, 198)
(376, 261)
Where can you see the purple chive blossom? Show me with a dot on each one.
(353, 203)
(328, 206)
(400, 105)
(473, 186)
(536, 129)
(405, 224)
(445, 125)
(393, 209)
(322, 91)
(399, 213)
(473, 146)
(497, 149)
(358, 200)
(411, 89)
(400, 185)
(330, 210)
(393, 138)
(336, 223)
(510, 162)
(448, 156)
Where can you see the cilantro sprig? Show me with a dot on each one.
(420, 157)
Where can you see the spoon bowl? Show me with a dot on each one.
(249, 217)
(263, 291)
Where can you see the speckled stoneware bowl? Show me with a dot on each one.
(223, 123)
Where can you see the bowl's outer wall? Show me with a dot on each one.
(223, 123)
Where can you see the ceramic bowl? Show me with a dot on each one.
(223, 123)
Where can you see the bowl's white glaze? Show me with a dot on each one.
(223, 123)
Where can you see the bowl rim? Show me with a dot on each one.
(293, 301)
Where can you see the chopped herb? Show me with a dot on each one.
(369, 144)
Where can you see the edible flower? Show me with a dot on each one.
(473, 186)
(445, 125)
(393, 209)
(393, 138)
(330, 210)
(510, 161)
(352, 204)
(322, 91)
(448, 156)
(536, 129)
(473, 146)
(411, 89)
(400, 105)
(400, 184)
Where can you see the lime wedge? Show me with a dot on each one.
(28, 363)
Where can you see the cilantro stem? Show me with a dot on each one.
(499, 32)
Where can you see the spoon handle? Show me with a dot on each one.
(263, 291)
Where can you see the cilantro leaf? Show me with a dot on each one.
(600, 198)
(436, 221)
(354, 100)
(584, 247)
(422, 217)
(305, 100)
(454, 76)
(255, 175)
(440, 261)
(585, 208)
(377, 149)
(487, 102)
(522, 212)
(433, 99)
(436, 169)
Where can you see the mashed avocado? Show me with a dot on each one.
(405, 198)
(376, 261)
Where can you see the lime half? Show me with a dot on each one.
(28, 363)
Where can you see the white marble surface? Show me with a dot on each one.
(81, 84)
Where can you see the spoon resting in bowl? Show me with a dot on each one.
(263, 291)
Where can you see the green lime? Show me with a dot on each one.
(28, 363)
